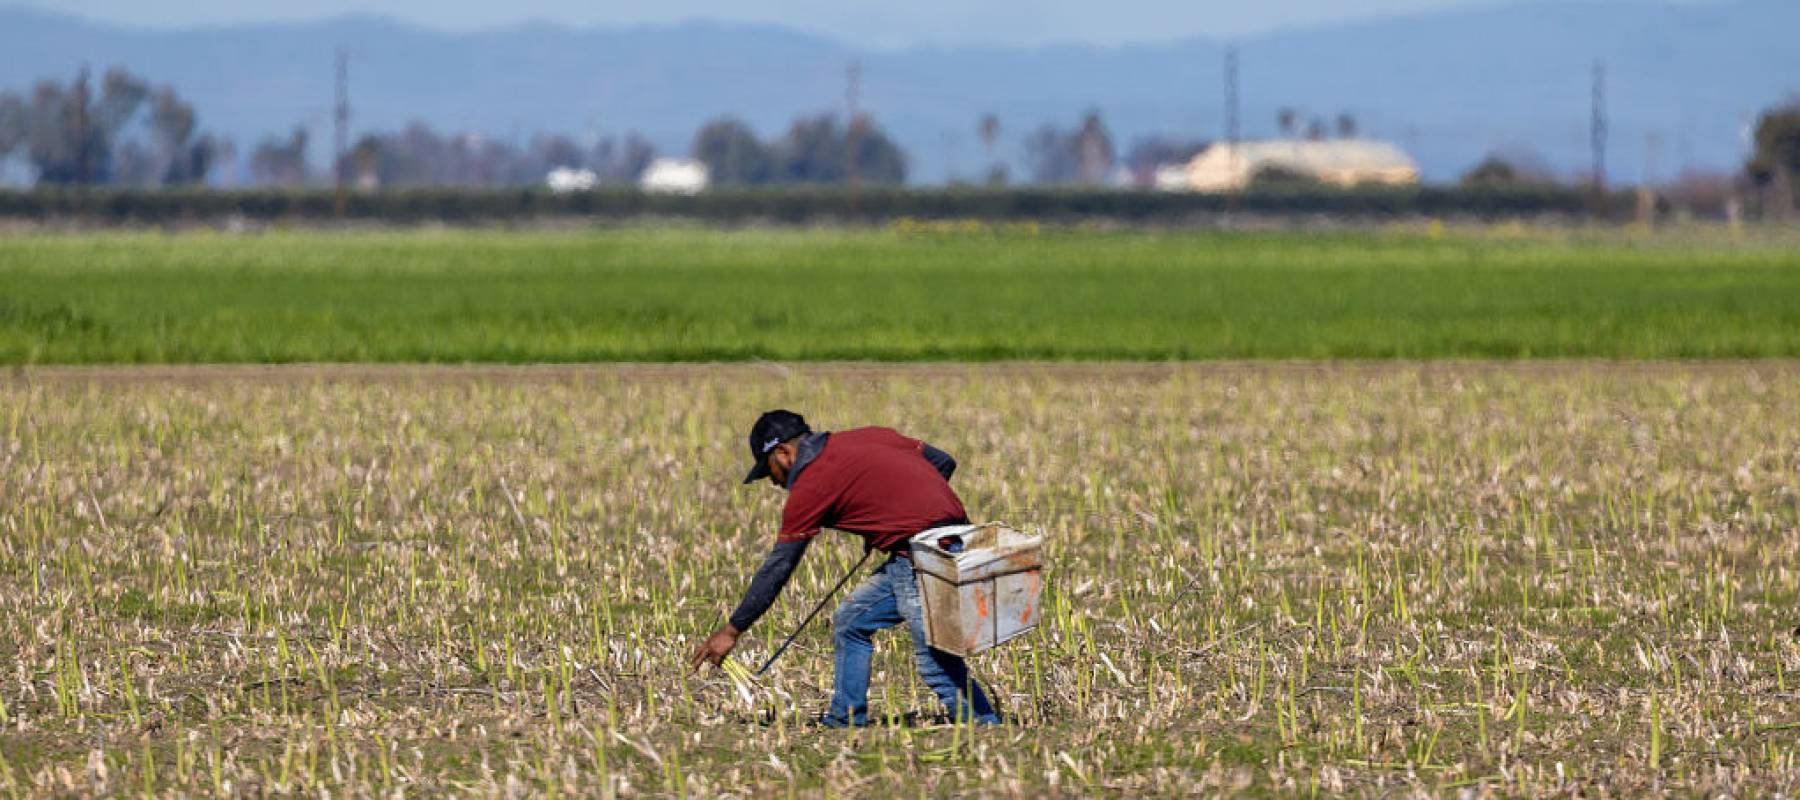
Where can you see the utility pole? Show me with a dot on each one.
(1231, 123)
(341, 134)
(1647, 187)
(734, 160)
(81, 128)
(1597, 133)
(83, 152)
(950, 178)
(1684, 147)
(852, 88)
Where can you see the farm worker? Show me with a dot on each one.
(884, 487)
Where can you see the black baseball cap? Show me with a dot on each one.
(771, 429)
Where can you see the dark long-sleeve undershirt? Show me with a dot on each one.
(946, 466)
(770, 578)
(779, 565)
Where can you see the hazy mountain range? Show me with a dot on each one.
(1684, 81)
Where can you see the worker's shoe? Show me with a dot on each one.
(981, 720)
(829, 721)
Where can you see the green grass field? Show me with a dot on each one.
(669, 294)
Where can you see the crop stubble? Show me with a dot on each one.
(1518, 579)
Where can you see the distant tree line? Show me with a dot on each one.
(801, 204)
(1082, 156)
(1294, 124)
(420, 156)
(815, 149)
(1774, 165)
(1516, 169)
(1769, 184)
(124, 132)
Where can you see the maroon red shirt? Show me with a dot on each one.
(869, 481)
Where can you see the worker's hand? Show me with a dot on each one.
(715, 648)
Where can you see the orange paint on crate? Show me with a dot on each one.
(981, 604)
(1031, 590)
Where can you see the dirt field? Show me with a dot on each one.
(1553, 578)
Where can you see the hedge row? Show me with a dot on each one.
(788, 205)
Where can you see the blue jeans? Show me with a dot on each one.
(888, 598)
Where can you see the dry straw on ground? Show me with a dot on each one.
(1376, 579)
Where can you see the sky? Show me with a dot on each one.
(859, 22)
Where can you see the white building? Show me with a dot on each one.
(569, 179)
(1343, 162)
(674, 176)
(1171, 178)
